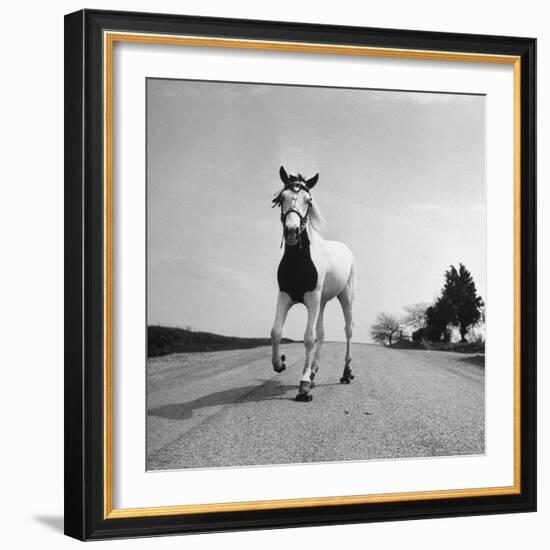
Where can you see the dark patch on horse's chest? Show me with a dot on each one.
(297, 274)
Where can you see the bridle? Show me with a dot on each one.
(294, 186)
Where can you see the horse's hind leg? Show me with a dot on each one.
(346, 301)
(320, 333)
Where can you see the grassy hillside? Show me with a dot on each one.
(166, 340)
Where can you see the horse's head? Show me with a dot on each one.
(295, 202)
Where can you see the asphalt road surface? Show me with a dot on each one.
(229, 408)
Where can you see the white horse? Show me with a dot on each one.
(312, 271)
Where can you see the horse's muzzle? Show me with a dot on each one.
(291, 235)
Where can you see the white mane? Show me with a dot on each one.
(316, 217)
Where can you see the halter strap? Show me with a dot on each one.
(303, 217)
(277, 201)
(295, 186)
(303, 222)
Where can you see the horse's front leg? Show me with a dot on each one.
(312, 301)
(284, 303)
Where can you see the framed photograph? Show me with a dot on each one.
(300, 274)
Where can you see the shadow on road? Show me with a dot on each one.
(266, 391)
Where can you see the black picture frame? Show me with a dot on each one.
(84, 282)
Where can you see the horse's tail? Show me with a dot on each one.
(351, 279)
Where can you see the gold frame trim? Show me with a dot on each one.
(109, 39)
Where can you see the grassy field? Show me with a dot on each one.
(166, 340)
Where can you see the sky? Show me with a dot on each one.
(402, 183)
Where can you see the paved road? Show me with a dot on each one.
(229, 408)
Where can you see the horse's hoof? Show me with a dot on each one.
(347, 376)
(282, 367)
(304, 393)
(304, 397)
(312, 384)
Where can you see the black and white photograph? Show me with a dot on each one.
(316, 274)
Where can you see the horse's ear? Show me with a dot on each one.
(312, 181)
(284, 175)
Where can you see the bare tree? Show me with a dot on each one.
(385, 329)
(415, 315)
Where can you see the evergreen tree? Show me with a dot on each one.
(461, 301)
